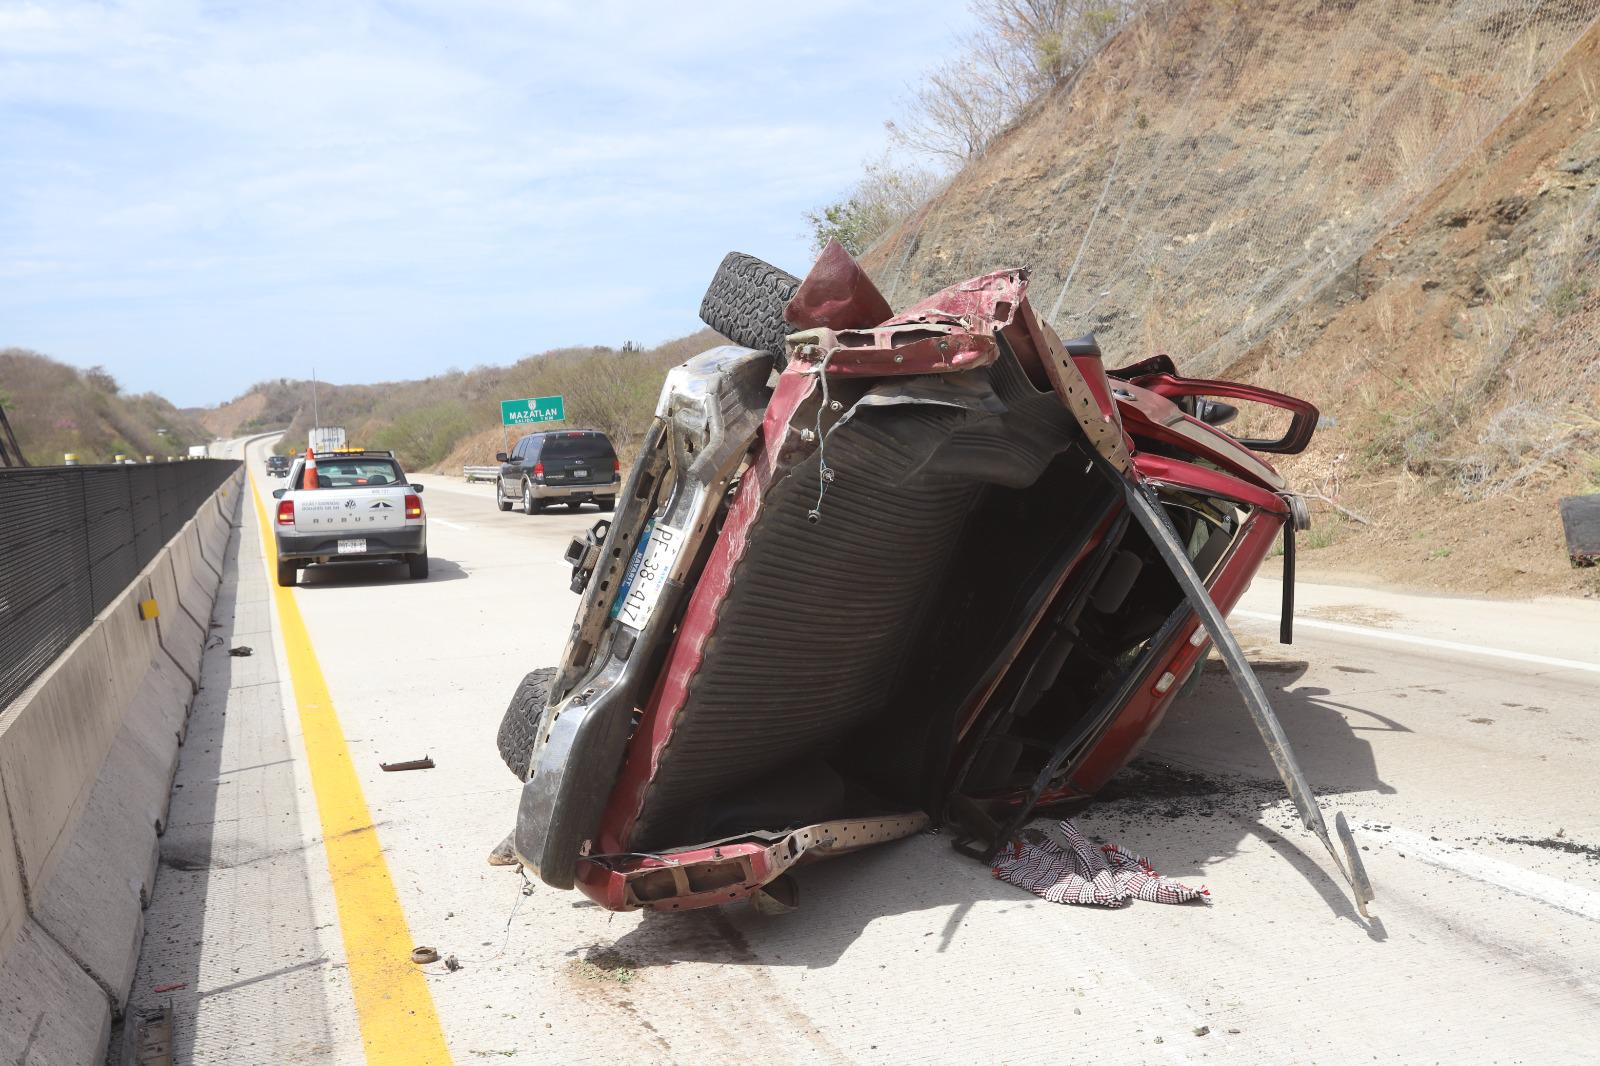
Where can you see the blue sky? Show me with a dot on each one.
(202, 195)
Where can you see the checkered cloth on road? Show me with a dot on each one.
(1084, 872)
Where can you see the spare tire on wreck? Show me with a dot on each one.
(745, 303)
(520, 725)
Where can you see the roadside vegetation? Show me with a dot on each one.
(1021, 50)
(453, 419)
(55, 409)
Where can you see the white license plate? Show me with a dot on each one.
(580, 473)
(659, 555)
(353, 546)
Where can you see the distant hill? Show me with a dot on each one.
(454, 418)
(55, 409)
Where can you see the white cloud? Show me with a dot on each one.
(304, 182)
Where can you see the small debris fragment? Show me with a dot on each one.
(1160, 1041)
(243, 651)
(1202, 1030)
(424, 955)
(1233, 1032)
(452, 963)
(424, 763)
(170, 988)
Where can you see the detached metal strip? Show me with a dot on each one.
(1166, 541)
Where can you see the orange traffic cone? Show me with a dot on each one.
(309, 480)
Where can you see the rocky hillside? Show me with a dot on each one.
(55, 409)
(1391, 207)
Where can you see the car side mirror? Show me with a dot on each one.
(277, 494)
(417, 488)
(1215, 412)
(501, 457)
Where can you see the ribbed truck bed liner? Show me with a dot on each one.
(820, 618)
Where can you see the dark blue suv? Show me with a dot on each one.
(570, 466)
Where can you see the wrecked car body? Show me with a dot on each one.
(940, 569)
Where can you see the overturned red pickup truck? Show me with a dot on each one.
(876, 570)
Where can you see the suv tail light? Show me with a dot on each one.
(285, 512)
(538, 470)
(413, 506)
(616, 466)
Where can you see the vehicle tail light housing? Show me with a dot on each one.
(413, 506)
(285, 512)
(538, 470)
(616, 466)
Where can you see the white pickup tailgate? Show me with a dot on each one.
(350, 510)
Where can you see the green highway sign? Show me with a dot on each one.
(536, 409)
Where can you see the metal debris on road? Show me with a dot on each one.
(242, 651)
(424, 763)
(423, 955)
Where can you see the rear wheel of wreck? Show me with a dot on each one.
(520, 725)
(745, 303)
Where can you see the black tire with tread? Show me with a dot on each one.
(745, 303)
(288, 574)
(520, 725)
(499, 496)
(419, 566)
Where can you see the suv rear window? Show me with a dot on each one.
(588, 446)
(353, 473)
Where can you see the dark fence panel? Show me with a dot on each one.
(72, 538)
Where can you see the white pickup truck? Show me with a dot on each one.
(361, 510)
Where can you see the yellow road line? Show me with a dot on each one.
(398, 1021)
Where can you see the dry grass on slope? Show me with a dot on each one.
(1459, 361)
(55, 409)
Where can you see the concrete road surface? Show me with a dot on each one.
(1458, 735)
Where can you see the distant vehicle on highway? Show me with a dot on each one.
(326, 439)
(277, 465)
(360, 508)
(570, 466)
(197, 451)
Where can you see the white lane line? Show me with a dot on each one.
(451, 525)
(1426, 642)
(1550, 890)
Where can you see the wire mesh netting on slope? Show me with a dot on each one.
(1218, 164)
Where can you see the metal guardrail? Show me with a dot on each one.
(480, 473)
(72, 538)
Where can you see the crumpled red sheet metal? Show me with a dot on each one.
(1084, 872)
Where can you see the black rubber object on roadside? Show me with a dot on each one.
(745, 303)
(520, 725)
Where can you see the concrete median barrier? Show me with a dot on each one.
(87, 757)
